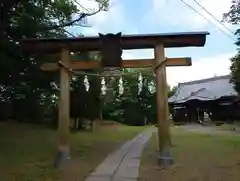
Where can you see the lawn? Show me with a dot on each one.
(198, 157)
(27, 151)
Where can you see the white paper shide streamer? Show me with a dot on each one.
(104, 87)
(140, 83)
(120, 85)
(86, 83)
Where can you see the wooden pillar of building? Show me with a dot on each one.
(164, 142)
(64, 111)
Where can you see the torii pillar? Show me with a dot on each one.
(63, 111)
(164, 140)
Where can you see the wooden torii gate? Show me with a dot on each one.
(156, 41)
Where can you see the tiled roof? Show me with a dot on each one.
(205, 89)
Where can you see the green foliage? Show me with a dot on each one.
(233, 16)
(21, 81)
(235, 72)
(21, 78)
(172, 91)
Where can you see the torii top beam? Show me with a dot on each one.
(169, 40)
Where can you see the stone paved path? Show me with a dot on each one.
(123, 164)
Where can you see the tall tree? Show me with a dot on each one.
(8, 9)
(233, 16)
(172, 91)
(20, 75)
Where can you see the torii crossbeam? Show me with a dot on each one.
(131, 63)
(156, 41)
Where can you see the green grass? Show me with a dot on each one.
(197, 156)
(27, 151)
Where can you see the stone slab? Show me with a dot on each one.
(127, 172)
(124, 179)
(61, 158)
(131, 162)
(98, 178)
(106, 169)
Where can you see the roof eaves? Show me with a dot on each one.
(206, 80)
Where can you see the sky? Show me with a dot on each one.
(169, 16)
